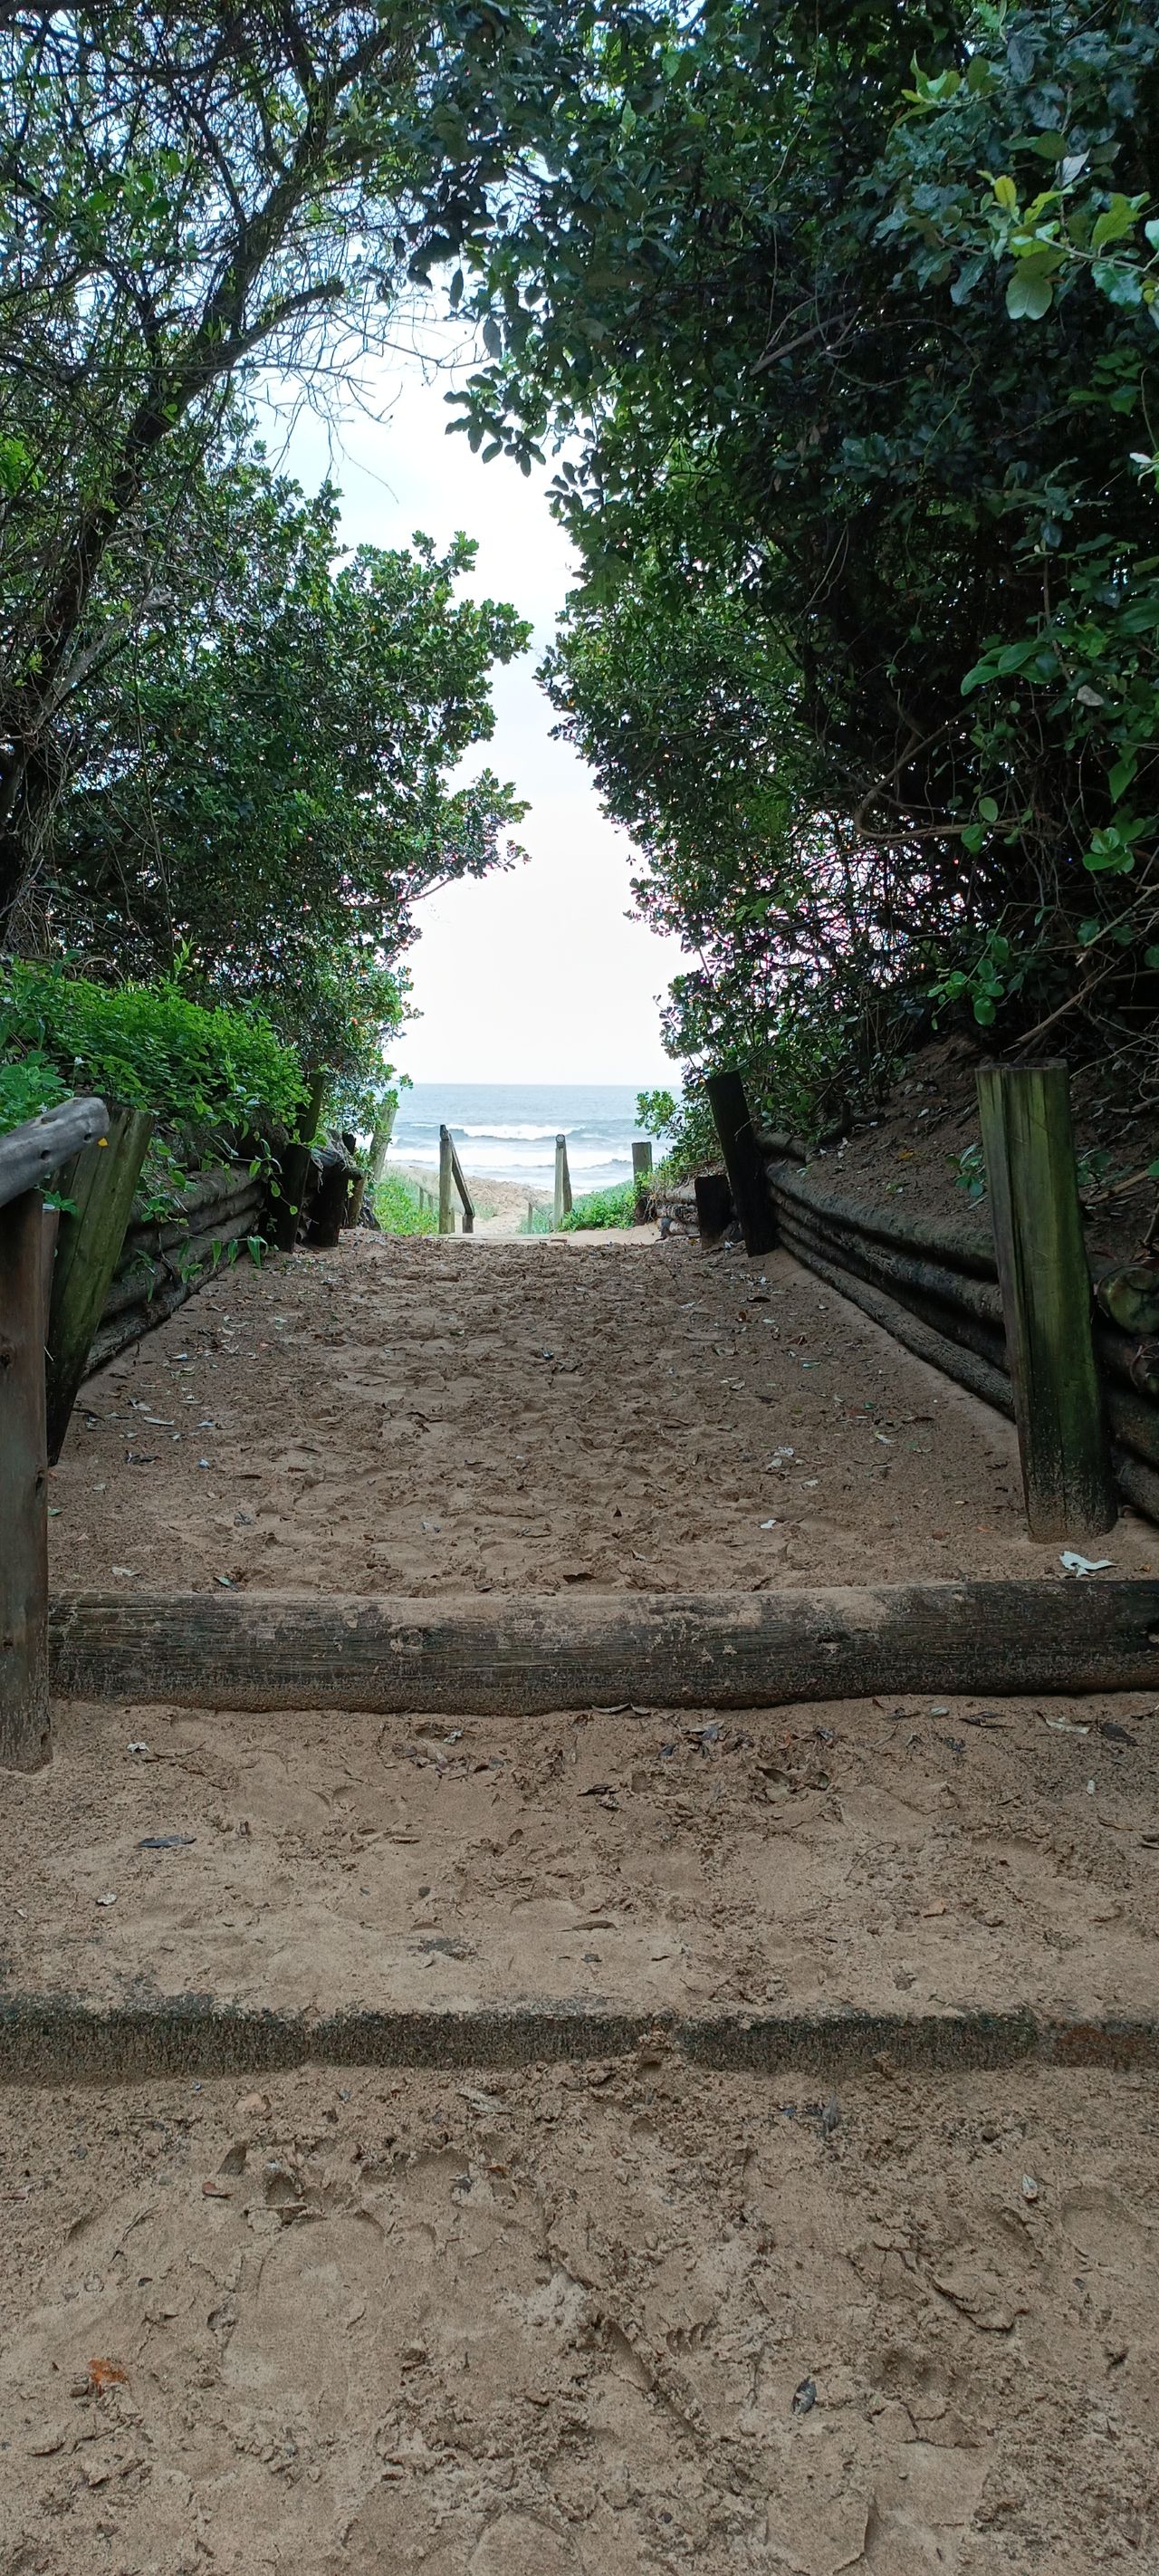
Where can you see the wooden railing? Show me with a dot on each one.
(451, 1176)
(30, 1158)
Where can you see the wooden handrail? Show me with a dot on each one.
(451, 1170)
(31, 1154)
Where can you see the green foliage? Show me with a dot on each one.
(264, 791)
(860, 476)
(602, 1207)
(29, 1084)
(396, 1205)
(192, 204)
(220, 1072)
(655, 1112)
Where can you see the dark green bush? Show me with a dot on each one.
(203, 1073)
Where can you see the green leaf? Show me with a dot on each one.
(988, 809)
(1122, 286)
(1115, 224)
(1029, 294)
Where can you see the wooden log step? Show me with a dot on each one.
(531, 1653)
(53, 2039)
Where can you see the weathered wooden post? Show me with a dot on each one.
(1046, 1299)
(24, 1714)
(28, 1158)
(641, 1174)
(380, 1137)
(743, 1162)
(101, 1183)
(713, 1205)
(295, 1170)
(446, 1211)
(561, 1206)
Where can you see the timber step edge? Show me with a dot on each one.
(55, 2039)
(525, 1653)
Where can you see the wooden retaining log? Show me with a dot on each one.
(138, 1301)
(950, 1299)
(960, 1246)
(978, 1375)
(957, 1307)
(528, 1654)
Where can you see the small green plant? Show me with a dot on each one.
(969, 1172)
(396, 1205)
(602, 1207)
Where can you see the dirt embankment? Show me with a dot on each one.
(922, 1154)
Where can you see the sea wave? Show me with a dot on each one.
(512, 1135)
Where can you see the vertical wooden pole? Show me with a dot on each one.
(446, 1211)
(743, 1162)
(641, 1175)
(1046, 1300)
(25, 1739)
(713, 1205)
(561, 1205)
(101, 1182)
(380, 1140)
(296, 1166)
(531, 1216)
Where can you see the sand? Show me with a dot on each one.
(556, 2325)
(552, 2321)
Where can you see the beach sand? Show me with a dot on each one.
(505, 1201)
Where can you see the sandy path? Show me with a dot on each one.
(551, 2323)
(421, 1416)
(554, 2325)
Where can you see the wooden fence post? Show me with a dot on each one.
(1046, 1300)
(24, 1711)
(295, 1170)
(561, 1206)
(641, 1174)
(446, 1211)
(743, 1162)
(713, 1205)
(101, 1183)
(381, 1134)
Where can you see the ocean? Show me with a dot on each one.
(507, 1130)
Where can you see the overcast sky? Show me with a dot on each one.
(537, 975)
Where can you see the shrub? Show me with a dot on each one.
(202, 1072)
(396, 1205)
(602, 1207)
